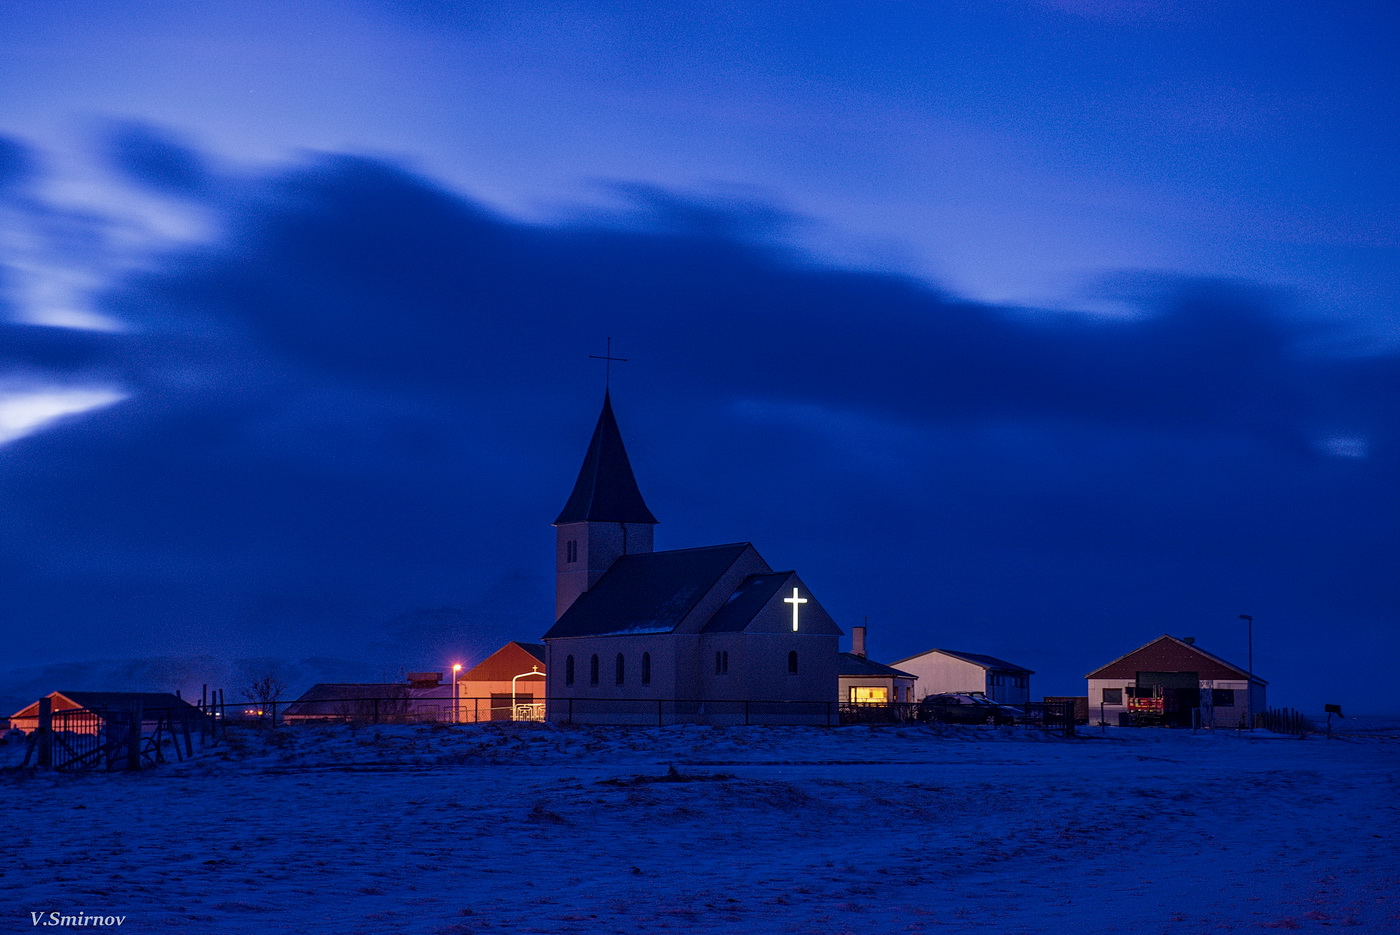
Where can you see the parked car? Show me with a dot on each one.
(965, 708)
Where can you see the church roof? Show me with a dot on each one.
(606, 490)
(650, 592)
(750, 597)
(853, 665)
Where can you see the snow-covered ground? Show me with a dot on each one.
(536, 828)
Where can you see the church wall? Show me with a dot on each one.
(607, 702)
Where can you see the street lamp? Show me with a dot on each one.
(1249, 621)
(1249, 692)
(456, 668)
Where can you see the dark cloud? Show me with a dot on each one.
(17, 164)
(156, 158)
(371, 393)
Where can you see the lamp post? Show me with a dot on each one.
(456, 668)
(1249, 687)
(1249, 622)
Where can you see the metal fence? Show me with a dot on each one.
(1053, 716)
(1056, 716)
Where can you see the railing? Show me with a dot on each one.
(529, 712)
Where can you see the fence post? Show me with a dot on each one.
(133, 740)
(274, 712)
(45, 733)
(661, 723)
(374, 718)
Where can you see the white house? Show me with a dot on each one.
(1174, 682)
(707, 635)
(946, 670)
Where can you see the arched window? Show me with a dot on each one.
(621, 669)
(593, 671)
(792, 662)
(569, 670)
(646, 668)
(571, 551)
(719, 663)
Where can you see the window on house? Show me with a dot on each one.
(1222, 697)
(621, 669)
(792, 662)
(569, 670)
(869, 694)
(593, 671)
(646, 668)
(1113, 696)
(721, 662)
(571, 551)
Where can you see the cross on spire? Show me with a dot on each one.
(607, 367)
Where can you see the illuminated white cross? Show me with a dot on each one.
(794, 601)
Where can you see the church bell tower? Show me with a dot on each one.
(604, 519)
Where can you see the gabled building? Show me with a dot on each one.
(1175, 683)
(704, 635)
(947, 670)
(508, 685)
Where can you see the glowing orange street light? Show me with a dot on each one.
(456, 668)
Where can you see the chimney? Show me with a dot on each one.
(1189, 640)
(858, 641)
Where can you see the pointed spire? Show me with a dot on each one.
(606, 490)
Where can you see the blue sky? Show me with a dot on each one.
(1030, 328)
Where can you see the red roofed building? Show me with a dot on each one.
(1175, 683)
(507, 685)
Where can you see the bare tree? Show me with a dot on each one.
(265, 691)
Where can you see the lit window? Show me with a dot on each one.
(1113, 696)
(869, 694)
(621, 669)
(646, 668)
(792, 662)
(569, 670)
(593, 671)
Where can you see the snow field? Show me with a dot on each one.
(538, 828)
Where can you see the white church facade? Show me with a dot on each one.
(710, 635)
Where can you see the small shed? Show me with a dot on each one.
(154, 706)
(507, 685)
(943, 671)
(1171, 681)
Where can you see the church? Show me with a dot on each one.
(710, 635)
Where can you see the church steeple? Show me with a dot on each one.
(606, 490)
(605, 516)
